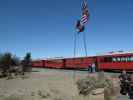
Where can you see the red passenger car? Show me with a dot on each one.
(113, 61)
(123, 61)
(78, 63)
(54, 63)
(38, 63)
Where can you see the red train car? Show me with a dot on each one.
(38, 63)
(123, 61)
(78, 63)
(54, 63)
(114, 61)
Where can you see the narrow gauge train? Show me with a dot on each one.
(113, 61)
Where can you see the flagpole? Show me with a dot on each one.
(85, 45)
(80, 26)
(75, 43)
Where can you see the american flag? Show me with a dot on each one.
(85, 13)
(84, 17)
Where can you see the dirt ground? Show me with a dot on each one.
(46, 84)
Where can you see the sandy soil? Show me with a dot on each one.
(44, 85)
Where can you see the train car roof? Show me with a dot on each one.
(117, 54)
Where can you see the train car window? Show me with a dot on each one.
(114, 59)
(131, 59)
(118, 59)
(108, 59)
(128, 59)
(122, 59)
(125, 59)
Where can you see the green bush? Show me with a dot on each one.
(27, 63)
(5, 62)
(86, 85)
(8, 64)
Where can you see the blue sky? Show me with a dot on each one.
(46, 27)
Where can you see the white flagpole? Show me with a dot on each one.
(75, 43)
(85, 45)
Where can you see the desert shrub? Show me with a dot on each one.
(108, 83)
(15, 61)
(108, 94)
(86, 85)
(109, 86)
(5, 62)
(43, 94)
(12, 97)
(26, 63)
(8, 64)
